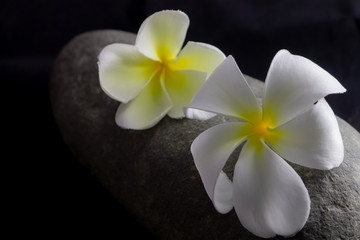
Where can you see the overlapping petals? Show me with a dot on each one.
(223, 93)
(146, 109)
(200, 56)
(293, 84)
(269, 196)
(123, 71)
(155, 78)
(181, 85)
(295, 123)
(212, 148)
(312, 139)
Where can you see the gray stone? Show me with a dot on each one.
(152, 173)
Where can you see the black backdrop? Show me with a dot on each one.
(47, 190)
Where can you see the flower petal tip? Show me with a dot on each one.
(198, 114)
(212, 47)
(162, 34)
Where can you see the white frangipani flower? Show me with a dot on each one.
(294, 123)
(154, 78)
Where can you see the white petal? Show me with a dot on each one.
(181, 87)
(200, 56)
(211, 149)
(193, 113)
(269, 196)
(292, 85)
(123, 71)
(227, 92)
(162, 34)
(147, 109)
(312, 139)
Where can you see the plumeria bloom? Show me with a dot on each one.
(155, 77)
(294, 123)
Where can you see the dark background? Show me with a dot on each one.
(47, 192)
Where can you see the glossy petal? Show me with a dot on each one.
(123, 71)
(200, 56)
(162, 35)
(227, 92)
(269, 196)
(181, 87)
(147, 109)
(211, 149)
(292, 85)
(312, 139)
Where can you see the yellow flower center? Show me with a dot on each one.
(164, 65)
(260, 130)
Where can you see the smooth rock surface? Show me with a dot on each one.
(152, 173)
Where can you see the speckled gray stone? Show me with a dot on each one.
(152, 173)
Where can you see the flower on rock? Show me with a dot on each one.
(294, 123)
(153, 77)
